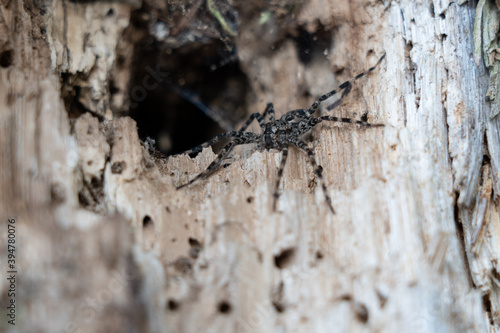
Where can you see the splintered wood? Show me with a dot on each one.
(107, 242)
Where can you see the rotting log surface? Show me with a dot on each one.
(106, 243)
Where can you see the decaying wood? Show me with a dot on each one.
(106, 243)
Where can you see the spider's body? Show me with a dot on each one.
(275, 134)
(280, 134)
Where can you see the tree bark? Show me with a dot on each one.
(105, 242)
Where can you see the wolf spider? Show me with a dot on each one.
(280, 134)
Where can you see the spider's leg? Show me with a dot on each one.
(343, 86)
(269, 110)
(230, 134)
(276, 193)
(346, 91)
(315, 121)
(197, 149)
(244, 138)
(260, 119)
(317, 170)
(211, 168)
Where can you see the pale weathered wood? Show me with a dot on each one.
(106, 242)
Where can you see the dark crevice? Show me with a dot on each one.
(461, 239)
(6, 58)
(195, 248)
(173, 305)
(277, 298)
(181, 99)
(147, 222)
(445, 121)
(284, 258)
(361, 311)
(309, 45)
(224, 307)
(91, 193)
(72, 89)
(487, 308)
(319, 255)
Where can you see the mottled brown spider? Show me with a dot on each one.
(280, 134)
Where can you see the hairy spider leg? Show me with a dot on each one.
(230, 134)
(317, 170)
(346, 91)
(229, 147)
(276, 193)
(256, 115)
(243, 138)
(344, 85)
(269, 109)
(314, 121)
(215, 163)
(260, 119)
(210, 142)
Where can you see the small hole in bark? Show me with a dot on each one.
(111, 12)
(172, 305)
(382, 298)
(195, 248)
(280, 308)
(319, 255)
(224, 307)
(147, 221)
(487, 308)
(284, 258)
(361, 312)
(6, 58)
(193, 242)
(312, 45)
(250, 199)
(168, 209)
(277, 298)
(364, 116)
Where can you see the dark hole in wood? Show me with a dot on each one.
(6, 58)
(361, 312)
(147, 221)
(319, 255)
(279, 307)
(172, 305)
(224, 307)
(284, 258)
